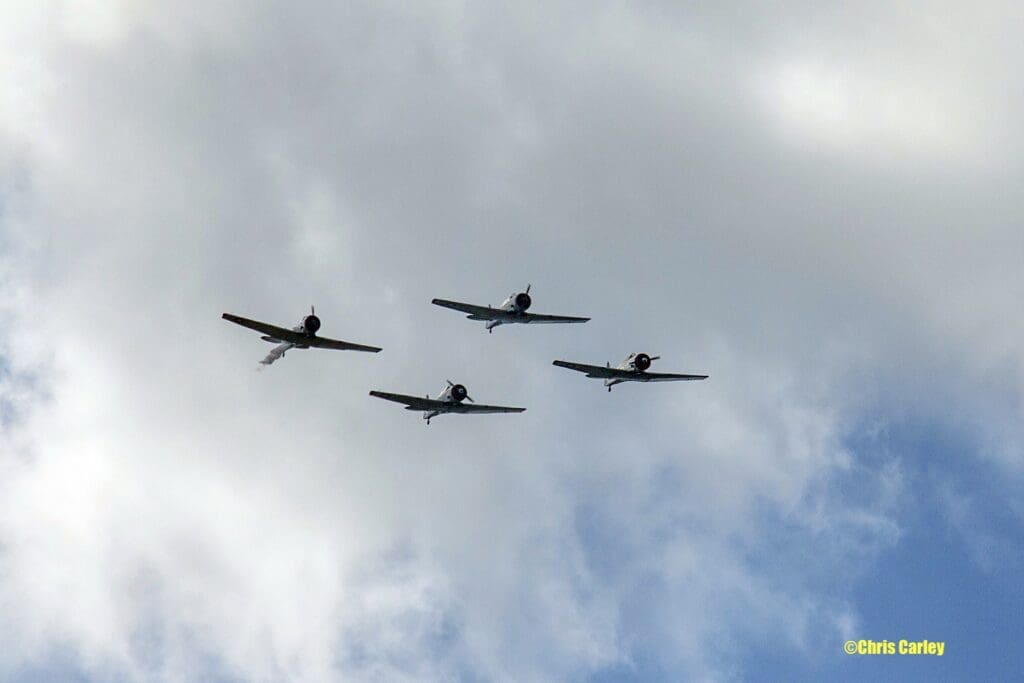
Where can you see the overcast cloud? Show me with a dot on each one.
(817, 204)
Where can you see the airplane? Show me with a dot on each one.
(302, 336)
(512, 310)
(633, 369)
(450, 400)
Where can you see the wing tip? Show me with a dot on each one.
(370, 349)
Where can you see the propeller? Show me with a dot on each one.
(654, 358)
(527, 288)
(312, 310)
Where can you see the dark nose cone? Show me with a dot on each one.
(311, 324)
(523, 301)
(642, 361)
(459, 392)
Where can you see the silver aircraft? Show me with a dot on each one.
(512, 310)
(633, 369)
(302, 336)
(450, 400)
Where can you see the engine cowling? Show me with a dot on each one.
(310, 324)
(459, 392)
(523, 301)
(641, 361)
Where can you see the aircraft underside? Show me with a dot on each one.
(612, 382)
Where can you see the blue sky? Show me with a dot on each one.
(815, 204)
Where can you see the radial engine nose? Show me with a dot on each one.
(459, 392)
(311, 324)
(642, 361)
(523, 301)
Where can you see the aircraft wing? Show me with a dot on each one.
(616, 373)
(475, 312)
(665, 377)
(411, 402)
(478, 408)
(297, 338)
(593, 370)
(538, 319)
(426, 404)
(271, 330)
(325, 343)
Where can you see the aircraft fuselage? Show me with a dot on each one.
(307, 326)
(634, 362)
(516, 303)
(453, 393)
